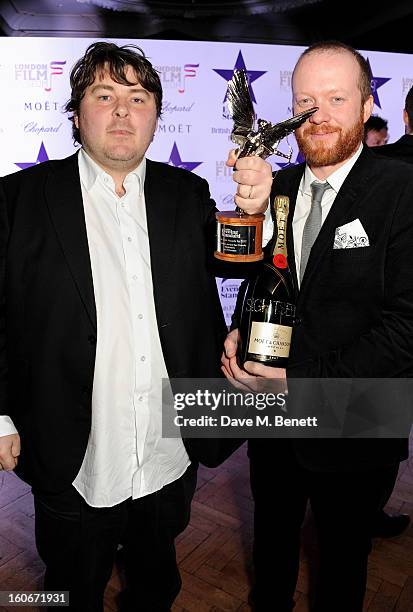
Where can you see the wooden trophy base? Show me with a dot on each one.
(239, 236)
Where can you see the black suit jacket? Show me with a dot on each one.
(48, 315)
(355, 306)
(401, 149)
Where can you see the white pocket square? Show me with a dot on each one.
(351, 236)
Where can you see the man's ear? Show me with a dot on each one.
(368, 108)
(76, 120)
(156, 127)
(405, 118)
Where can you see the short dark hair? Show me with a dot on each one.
(366, 76)
(101, 55)
(408, 106)
(374, 122)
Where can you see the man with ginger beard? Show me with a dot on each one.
(313, 142)
(354, 319)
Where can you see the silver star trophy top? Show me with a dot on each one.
(264, 140)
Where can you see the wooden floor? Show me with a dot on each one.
(215, 550)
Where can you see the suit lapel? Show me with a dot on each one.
(343, 210)
(161, 198)
(64, 200)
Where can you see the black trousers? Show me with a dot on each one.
(78, 544)
(343, 504)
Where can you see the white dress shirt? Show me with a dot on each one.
(303, 202)
(126, 455)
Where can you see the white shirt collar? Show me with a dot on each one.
(336, 179)
(89, 171)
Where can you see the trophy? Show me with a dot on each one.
(239, 236)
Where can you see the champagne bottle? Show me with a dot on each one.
(268, 308)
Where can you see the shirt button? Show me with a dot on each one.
(135, 277)
(140, 316)
(143, 358)
(140, 398)
(129, 239)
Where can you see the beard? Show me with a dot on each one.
(318, 154)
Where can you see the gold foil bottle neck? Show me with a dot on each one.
(281, 204)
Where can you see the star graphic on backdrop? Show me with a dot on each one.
(252, 75)
(298, 160)
(377, 82)
(175, 160)
(41, 157)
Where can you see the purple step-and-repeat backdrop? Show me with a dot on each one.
(194, 132)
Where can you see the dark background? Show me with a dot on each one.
(364, 24)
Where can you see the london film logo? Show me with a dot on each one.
(223, 173)
(285, 80)
(39, 75)
(177, 77)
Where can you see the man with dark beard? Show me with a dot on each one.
(349, 237)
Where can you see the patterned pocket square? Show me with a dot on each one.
(351, 236)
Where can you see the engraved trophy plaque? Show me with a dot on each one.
(239, 236)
